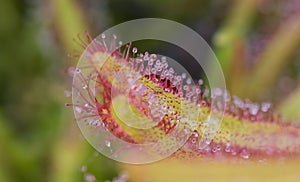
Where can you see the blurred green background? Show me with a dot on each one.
(256, 41)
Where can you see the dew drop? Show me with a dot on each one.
(150, 62)
(194, 140)
(185, 87)
(146, 57)
(171, 70)
(78, 109)
(254, 109)
(153, 70)
(244, 154)
(200, 82)
(214, 150)
(238, 102)
(195, 134)
(265, 107)
(218, 147)
(134, 50)
(107, 143)
(153, 57)
(94, 123)
(77, 70)
(103, 36)
(227, 148)
(189, 81)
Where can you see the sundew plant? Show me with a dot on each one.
(146, 110)
(154, 90)
(257, 138)
(139, 98)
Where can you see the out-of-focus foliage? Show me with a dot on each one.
(39, 140)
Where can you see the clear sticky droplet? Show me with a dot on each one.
(134, 50)
(107, 143)
(78, 109)
(245, 154)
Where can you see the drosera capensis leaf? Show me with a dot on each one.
(249, 131)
